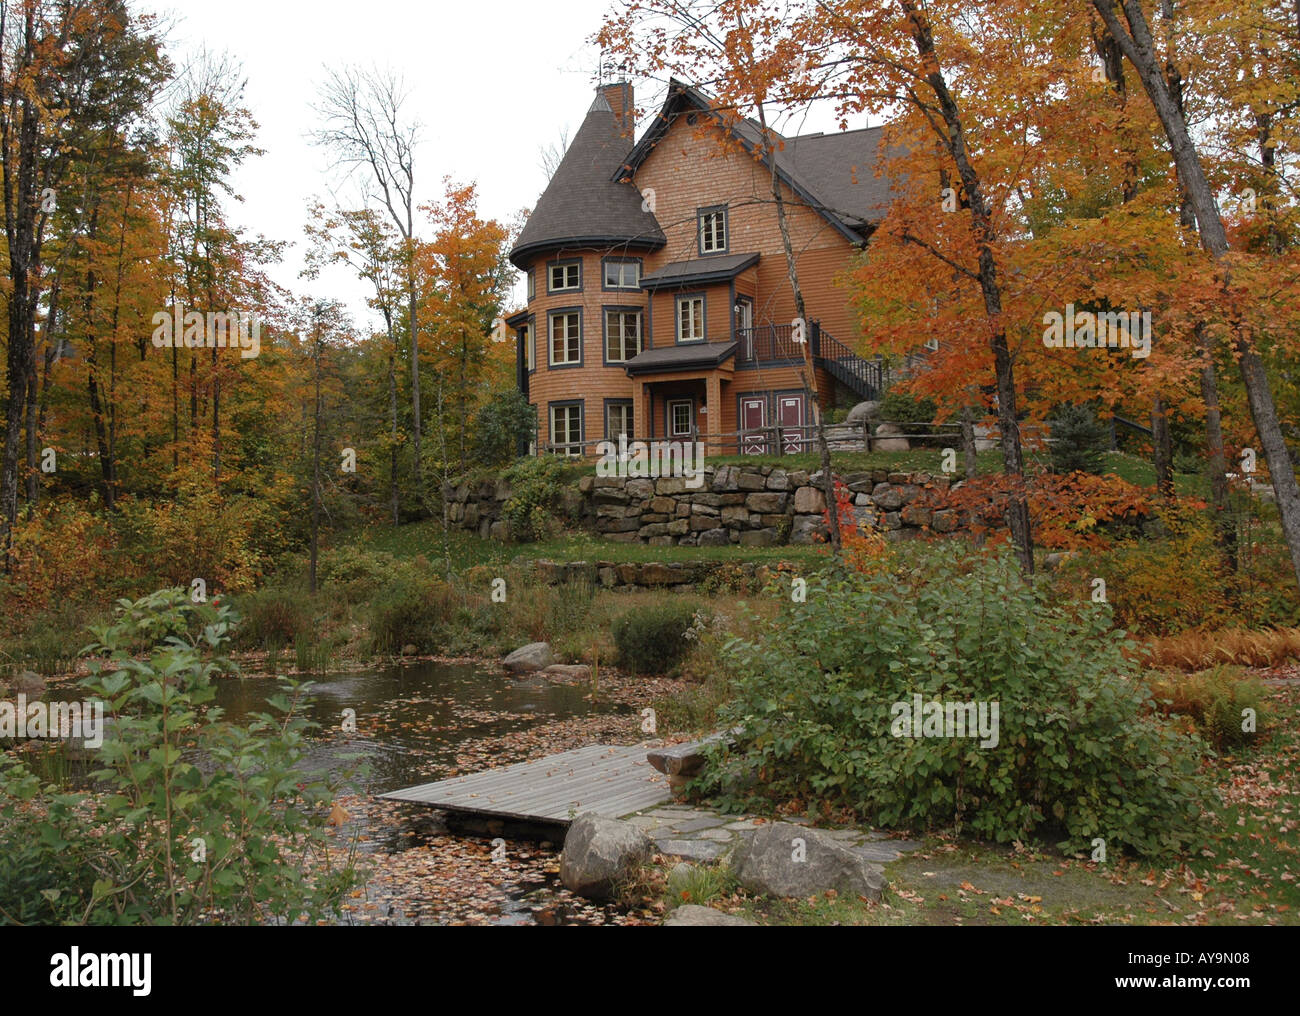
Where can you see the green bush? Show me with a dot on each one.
(411, 610)
(505, 422)
(653, 640)
(1079, 440)
(534, 489)
(1080, 752)
(355, 572)
(902, 407)
(240, 840)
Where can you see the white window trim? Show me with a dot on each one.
(550, 339)
(563, 267)
(669, 408)
(718, 233)
(684, 301)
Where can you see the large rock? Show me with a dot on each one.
(863, 411)
(889, 439)
(599, 853)
(693, 916)
(782, 859)
(526, 659)
(28, 683)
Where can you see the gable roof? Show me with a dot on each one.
(586, 204)
(833, 173)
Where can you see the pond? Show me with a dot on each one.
(425, 721)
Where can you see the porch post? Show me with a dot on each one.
(713, 422)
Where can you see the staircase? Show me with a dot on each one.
(868, 379)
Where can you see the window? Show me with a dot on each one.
(618, 420)
(690, 319)
(565, 275)
(566, 428)
(566, 338)
(713, 230)
(622, 274)
(530, 351)
(932, 345)
(622, 335)
(681, 418)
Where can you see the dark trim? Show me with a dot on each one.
(640, 269)
(556, 263)
(582, 419)
(677, 317)
(726, 230)
(648, 339)
(532, 330)
(582, 338)
(519, 256)
(604, 331)
(630, 403)
(530, 284)
(669, 400)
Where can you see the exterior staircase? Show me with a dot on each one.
(868, 379)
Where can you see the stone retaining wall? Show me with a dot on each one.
(758, 506)
(677, 576)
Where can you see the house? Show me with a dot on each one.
(659, 301)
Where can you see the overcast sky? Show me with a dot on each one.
(492, 81)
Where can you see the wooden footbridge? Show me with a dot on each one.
(609, 780)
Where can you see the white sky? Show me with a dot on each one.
(493, 82)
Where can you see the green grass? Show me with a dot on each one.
(467, 550)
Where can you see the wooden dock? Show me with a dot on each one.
(612, 781)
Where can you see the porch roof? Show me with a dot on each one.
(718, 268)
(691, 356)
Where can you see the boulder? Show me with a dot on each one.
(766, 502)
(783, 859)
(526, 659)
(566, 672)
(889, 439)
(694, 916)
(599, 853)
(778, 480)
(807, 528)
(887, 497)
(863, 411)
(28, 683)
(715, 538)
(751, 481)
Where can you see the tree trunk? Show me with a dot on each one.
(1017, 511)
(1140, 50)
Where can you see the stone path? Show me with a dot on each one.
(700, 834)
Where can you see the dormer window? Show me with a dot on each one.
(713, 229)
(564, 276)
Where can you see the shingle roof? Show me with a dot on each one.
(834, 173)
(692, 356)
(719, 268)
(584, 205)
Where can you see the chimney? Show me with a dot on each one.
(622, 102)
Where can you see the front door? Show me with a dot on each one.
(789, 415)
(753, 418)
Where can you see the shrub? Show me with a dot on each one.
(653, 641)
(355, 572)
(1079, 440)
(1079, 751)
(903, 407)
(504, 424)
(128, 856)
(1215, 702)
(272, 618)
(411, 610)
(534, 488)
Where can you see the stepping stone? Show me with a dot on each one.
(696, 824)
(691, 850)
(720, 835)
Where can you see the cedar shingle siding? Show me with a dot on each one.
(610, 200)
